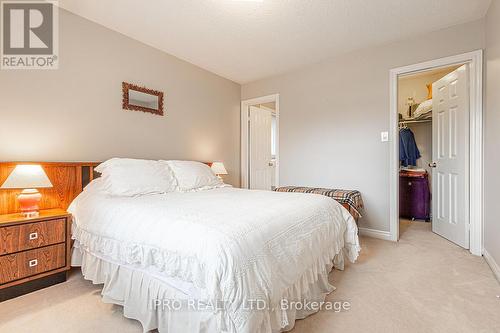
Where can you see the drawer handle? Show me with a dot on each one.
(33, 263)
(33, 235)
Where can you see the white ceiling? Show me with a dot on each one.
(249, 40)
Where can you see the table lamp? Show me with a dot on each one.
(28, 177)
(219, 169)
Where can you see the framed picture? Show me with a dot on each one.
(136, 98)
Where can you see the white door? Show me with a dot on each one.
(450, 155)
(260, 165)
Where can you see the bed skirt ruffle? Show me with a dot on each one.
(137, 291)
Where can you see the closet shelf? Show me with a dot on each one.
(415, 121)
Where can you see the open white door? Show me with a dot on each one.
(450, 154)
(260, 166)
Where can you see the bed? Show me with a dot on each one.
(215, 260)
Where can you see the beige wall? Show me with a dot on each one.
(332, 113)
(492, 133)
(74, 113)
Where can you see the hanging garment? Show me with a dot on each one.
(408, 150)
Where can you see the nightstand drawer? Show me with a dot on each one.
(32, 235)
(28, 263)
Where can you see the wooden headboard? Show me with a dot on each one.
(68, 179)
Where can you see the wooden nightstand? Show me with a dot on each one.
(34, 252)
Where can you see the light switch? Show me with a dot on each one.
(384, 136)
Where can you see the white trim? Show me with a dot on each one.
(273, 112)
(475, 60)
(385, 235)
(244, 135)
(493, 264)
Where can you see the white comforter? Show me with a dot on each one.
(237, 245)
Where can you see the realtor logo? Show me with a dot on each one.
(29, 35)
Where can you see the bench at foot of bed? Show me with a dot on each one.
(350, 199)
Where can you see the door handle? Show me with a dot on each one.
(433, 164)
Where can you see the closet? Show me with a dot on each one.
(415, 105)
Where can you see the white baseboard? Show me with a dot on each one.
(493, 264)
(385, 235)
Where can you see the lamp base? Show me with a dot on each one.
(28, 202)
(31, 214)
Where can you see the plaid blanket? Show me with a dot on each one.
(350, 199)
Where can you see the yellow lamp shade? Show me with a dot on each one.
(27, 176)
(218, 168)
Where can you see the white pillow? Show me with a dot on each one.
(130, 177)
(96, 185)
(194, 176)
(423, 108)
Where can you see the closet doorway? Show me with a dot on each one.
(435, 152)
(433, 107)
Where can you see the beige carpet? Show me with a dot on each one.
(421, 284)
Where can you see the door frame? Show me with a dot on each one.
(475, 61)
(245, 105)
